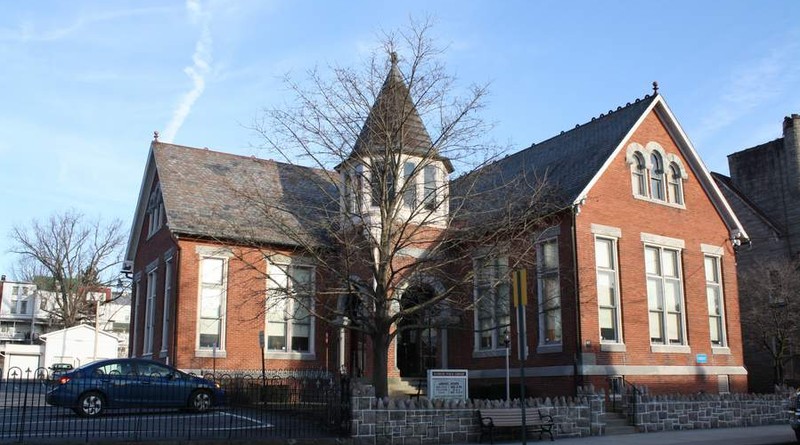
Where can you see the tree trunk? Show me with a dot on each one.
(380, 364)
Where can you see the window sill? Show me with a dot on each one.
(219, 353)
(658, 201)
(667, 349)
(720, 350)
(549, 349)
(290, 355)
(612, 347)
(485, 353)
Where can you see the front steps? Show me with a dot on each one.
(405, 387)
(616, 424)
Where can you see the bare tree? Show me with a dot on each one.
(773, 290)
(72, 256)
(384, 224)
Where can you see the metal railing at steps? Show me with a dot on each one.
(623, 396)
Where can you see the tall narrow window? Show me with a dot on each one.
(212, 303)
(290, 324)
(149, 311)
(167, 308)
(549, 290)
(381, 183)
(429, 199)
(410, 191)
(716, 314)
(607, 290)
(656, 177)
(348, 198)
(492, 301)
(664, 295)
(638, 175)
(675, 185)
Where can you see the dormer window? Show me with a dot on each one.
(155, 211)
(638, 175)
(675, 184)
(656, 177)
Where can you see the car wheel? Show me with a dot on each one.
(91, 404)
(200, 401)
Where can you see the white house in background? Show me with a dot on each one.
(76, 345)
(22, 314)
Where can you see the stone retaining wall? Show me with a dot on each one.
(420, 422)
(703, 411)
(423, 422)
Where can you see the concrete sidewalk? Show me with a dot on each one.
(757, 435)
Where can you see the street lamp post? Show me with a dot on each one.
(507, 342)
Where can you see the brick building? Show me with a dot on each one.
(764, 191)
(633, 279)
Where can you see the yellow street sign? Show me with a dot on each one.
(519, 287)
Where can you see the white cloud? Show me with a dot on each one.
(28, 32)
(197, 72)
(753, 85)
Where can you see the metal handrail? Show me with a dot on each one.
(626, 395)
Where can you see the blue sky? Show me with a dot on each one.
(84, 84)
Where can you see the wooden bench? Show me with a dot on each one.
(535, 421)
(421, 385)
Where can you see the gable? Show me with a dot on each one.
(659, 122)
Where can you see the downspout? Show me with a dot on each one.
(578, 358)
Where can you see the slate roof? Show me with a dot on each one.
(568, 161)
(741, 203)
(219, 195)
(394, 111)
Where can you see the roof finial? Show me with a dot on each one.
(655, 87)
(393, 57)
(155, 135)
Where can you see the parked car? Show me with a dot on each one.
(132, 383)
(56, 369)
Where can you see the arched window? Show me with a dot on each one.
(656, 177)
(675, 184)
(638, 175)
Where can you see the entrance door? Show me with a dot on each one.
(417, 343)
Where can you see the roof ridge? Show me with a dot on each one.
(234, 155)
(597, 118)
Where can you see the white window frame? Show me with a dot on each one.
(715, 290)
(496, 288)
(661, 281)
(612, 273)
(410, 185)
(675, 184)
(639, 180)
(430, 181)
(166, 321)
(543, 275)
(279, 304)
(149, 310)
(657, 175)
(211, 254)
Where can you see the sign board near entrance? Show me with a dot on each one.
(446, 384)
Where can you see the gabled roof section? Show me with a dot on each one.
(394, 123)
(570, 161)
(733, 194)
(217, 195)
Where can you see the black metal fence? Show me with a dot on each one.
(273, 406)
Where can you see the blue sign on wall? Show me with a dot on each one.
(702, 358)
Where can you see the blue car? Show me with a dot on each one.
(132, 383)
